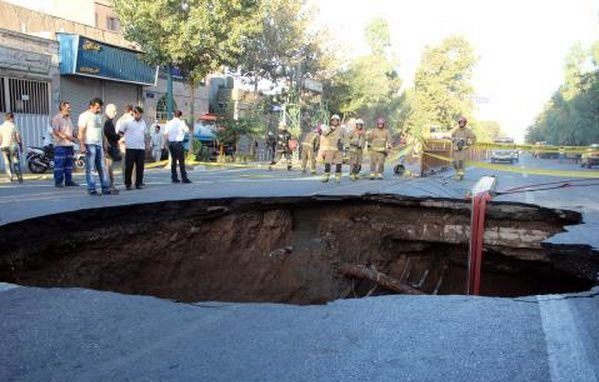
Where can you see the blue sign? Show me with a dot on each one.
(83, 56)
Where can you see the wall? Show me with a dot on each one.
(81, 11)
(30, 57)
(103, 12)
(24, 20)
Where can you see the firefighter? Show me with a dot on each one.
(379, 141)
(461, 138)
(357, 141)
(310, 146)
(282, 147)
(271, 145)
(330, 140)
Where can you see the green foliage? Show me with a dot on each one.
(378, 36)
(571, 117)
(369, 87)
(285, 45)
(230, 129)
(487, 131)
(198, 36)
(442, 89)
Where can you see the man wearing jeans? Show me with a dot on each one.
(175, 132)
(64, 141)
(91, 136)
(135, 147)
(10, 143)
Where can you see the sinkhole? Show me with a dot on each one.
(297, 250)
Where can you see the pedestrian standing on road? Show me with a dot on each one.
(174, 134)
(330, 142)
(310, 146)
(461, 138)
(271, 145)
(91, 138)
(64, 143)
(379, 140)
(135, 147)
(11, 146)
(111, 140)
(127, 116)
(157, 143)
(357, 141)
(282, 147)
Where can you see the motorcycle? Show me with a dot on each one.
(41, 159)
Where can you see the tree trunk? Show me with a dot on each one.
(382, 279)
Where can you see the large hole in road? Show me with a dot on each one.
(293, 250)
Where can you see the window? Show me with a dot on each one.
(26, 96)
(113, 24)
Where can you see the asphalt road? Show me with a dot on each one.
(84, 335)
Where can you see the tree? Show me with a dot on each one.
(369, 87)
(490, 130)
(571, 116)
(442, 89)
(378, 36)
(285, 52)
(198, 36)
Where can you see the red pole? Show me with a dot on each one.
(477, 231)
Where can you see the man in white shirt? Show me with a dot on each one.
(91, 137)
(127, 116)
(174, 133)
(10, 143)
(135, 147)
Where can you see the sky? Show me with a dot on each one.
(521, 44)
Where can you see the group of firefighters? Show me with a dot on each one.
(327, 143)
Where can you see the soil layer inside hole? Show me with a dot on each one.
(290, 249)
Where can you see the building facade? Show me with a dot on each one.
(93, 56)
(29, 82)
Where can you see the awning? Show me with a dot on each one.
(82, 56)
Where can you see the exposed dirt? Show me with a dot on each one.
(289, 249)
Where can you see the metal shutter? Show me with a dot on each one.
(79, 91)
(120, 94)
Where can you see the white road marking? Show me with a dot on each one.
(568, 360)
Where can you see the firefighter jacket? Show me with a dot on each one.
(330, 138)
(462, 138)
(311, 140)
(379, 139)
(283, 138)
(357, 140)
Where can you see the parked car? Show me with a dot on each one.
(590, 157)
(506, 156)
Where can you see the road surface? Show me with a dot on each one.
(61, 334)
